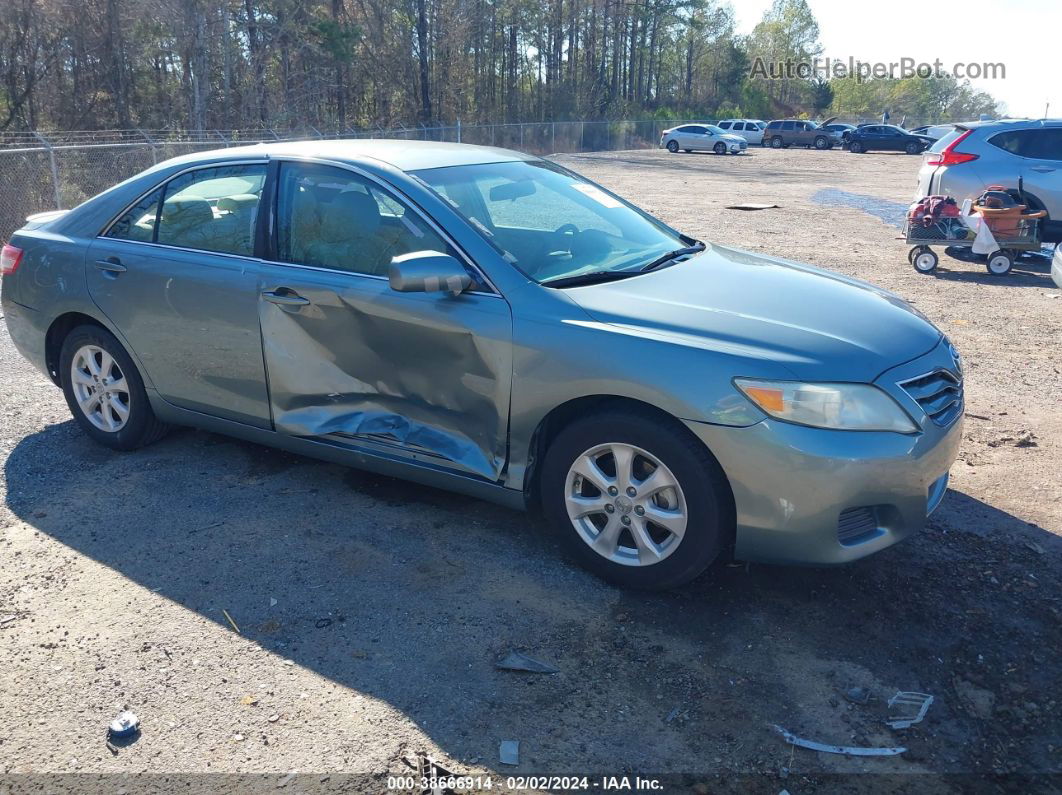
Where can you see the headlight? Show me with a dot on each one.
(850, 407)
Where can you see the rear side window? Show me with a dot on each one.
(1045, 144)
(212, 209)
(139, 221)
(725, 125)
(787, 125)
(739, 126)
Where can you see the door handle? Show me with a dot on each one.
(285, 299)
(111, 265)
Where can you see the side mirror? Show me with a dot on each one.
(428, 272)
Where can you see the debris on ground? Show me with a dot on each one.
(1026, 439)
(226, 612)
(858, 695)
(509, 752)
(752, 206)
(910, 708)
(846, 750)
(321, 623)
(515, 661)
(677, 712)
(125, 725)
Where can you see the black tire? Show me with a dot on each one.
(719, 148)
(777, 142)
(142, 426)
(856, 148)
(912, 148)
(923, 259)
(710, 518)
(999, 263)
(672, 146)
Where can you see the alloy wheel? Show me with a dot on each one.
(100, 388)
(625, 504)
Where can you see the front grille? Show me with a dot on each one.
(938, 393)
(855, 525)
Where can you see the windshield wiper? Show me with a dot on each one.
(666, 258)
(593, 277)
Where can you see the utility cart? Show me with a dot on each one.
(947, 232)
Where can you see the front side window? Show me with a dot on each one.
(332, 218)
(548, 222)
(212, 209)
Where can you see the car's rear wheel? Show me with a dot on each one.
(104, 390)
(855, 147)
(912, 148)
(719, 148)
(636, 499)
(777, 142)
(672, 146)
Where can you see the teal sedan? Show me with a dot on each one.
(485, 321)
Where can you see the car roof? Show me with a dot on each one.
(403, 155)
(975, 125)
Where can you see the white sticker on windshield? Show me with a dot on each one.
(598, 195)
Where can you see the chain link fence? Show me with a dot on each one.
(49, 171)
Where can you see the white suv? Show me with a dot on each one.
(749, 129)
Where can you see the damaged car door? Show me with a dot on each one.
(418, 375)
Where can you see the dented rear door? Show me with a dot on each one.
(422, 376)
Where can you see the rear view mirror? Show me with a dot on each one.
(511, 191)
(428, 272)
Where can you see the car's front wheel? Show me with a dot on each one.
(636, 499)
(719, 148)
(822, 142)
(104, 390)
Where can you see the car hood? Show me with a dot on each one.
(734, 139)
(817, 325)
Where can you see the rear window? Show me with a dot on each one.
(946, 140)
(725, 125)
(774, 125)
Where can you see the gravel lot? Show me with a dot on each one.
(370, 611)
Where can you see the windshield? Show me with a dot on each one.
(716, 130)
(549, 222)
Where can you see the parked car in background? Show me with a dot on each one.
(887, 138)
(1056, 267)
(749, 129)
(799, 132)
(492, 323)
(934, 131)
(702, 138)
(976, 155)
(844, 129)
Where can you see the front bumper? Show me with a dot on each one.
(792, 483)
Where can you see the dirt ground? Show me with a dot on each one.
(371, 611)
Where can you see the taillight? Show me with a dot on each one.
(948, 156)
(10, 257)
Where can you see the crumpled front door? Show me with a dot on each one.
(429, 373)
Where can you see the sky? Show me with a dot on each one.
(1017, 33)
